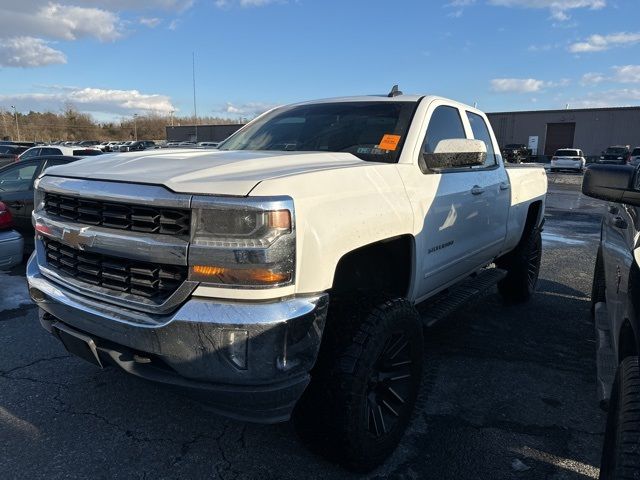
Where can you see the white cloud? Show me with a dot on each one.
(458, 7)
(611, 98)
(150, 22)
(43, 21)
(599, 43)
(28, 52)
(621, 74)
(517, 85)
(92, 100)
(627, 73)
(56, 21)
(245, 3)
(592, 78)
(559, 8)
(249, 109)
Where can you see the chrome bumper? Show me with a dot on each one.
(281, 338)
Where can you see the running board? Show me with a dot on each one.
(444, 304)
(606, 360)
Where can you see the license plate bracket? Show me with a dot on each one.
(77, 343)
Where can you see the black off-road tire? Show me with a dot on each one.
(522, 266)
(364, 386)
(621, 450)
(598, 292)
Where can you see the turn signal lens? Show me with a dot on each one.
(238, 276)
(280, 219)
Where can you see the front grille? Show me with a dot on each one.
(149, 280)
(122, 216)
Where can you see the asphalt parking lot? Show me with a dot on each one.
(508, 392)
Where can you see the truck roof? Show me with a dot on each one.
(385, 98)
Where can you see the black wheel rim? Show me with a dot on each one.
(389, 386)
(533, 265)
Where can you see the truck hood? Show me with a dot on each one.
(203, 171)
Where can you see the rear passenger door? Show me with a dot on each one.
(455, 205)
(497, 190)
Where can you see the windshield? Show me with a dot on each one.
(567, 153)
(372, 131)
(616, 150)
(636, 151)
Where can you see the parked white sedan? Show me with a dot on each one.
(568, 159)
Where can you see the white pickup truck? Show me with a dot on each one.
(295, 266)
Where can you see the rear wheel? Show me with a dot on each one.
(523, 267)
(621, 449)
(364, 387)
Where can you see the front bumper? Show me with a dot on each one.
(190, 347)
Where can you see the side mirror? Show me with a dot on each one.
(613, 183)
(454, 153)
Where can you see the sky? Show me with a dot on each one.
(116, 58)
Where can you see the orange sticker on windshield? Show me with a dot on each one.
(389, 142)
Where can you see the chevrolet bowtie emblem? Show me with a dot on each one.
(78, 239)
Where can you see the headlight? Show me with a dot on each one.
(246, 242)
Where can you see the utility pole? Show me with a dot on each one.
(135, 126)
(15, 114)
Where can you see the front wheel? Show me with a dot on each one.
(621, 449)
(364, 386)
(523, 267)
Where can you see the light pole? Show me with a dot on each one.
(15, 114)
(135, 126)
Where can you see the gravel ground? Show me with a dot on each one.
(508, 392)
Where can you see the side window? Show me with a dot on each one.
(18, 178)
(481, 132)
(445, 124)
(34, 152)
(50, 151)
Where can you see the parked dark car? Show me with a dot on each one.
(140, 145)
(515, 153)
(21, 144)
(16, 189)
(616, 155)
(10, 153)
(615, 304)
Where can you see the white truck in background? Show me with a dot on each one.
(293, 268)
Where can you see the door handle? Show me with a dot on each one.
(619, 222)
(504, 186)
(612, 209)
(477, 190)
(16, 205)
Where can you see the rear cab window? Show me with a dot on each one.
(481, 132)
